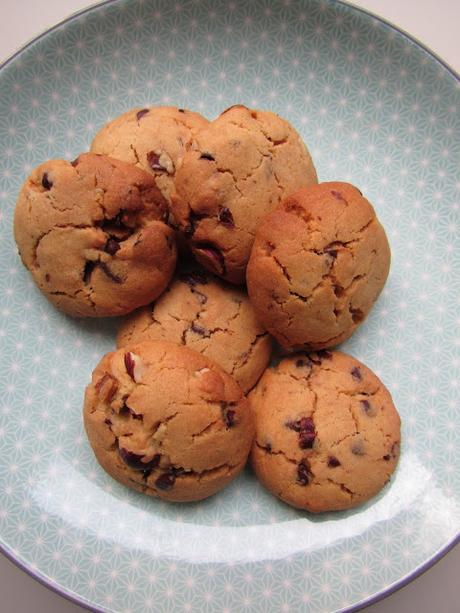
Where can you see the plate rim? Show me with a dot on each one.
(392, 587)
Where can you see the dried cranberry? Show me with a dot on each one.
(112, 246)
(154, 161)
(367, 407)
(338, 196)
(303, 473)
(356, 374)
(46, 183)
(357, 448)
(198, 329)
(333, 462)
(135, 460)
(165, 481)
(228, 414)
(226, 218)
(387, 458)
(141, 113)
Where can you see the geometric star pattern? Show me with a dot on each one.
(375, 109)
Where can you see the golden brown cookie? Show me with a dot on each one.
(327, 431)
(236, 171)
(210, 317)
(153, 139)
(319, 262)
(167, 421)
(92, 234)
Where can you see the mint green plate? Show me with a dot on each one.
(376, 109)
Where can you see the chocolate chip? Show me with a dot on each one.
(165, 481)
(268, 447)
(214, 258)
(75, 162)
(194, 278)
(338, 196)
(332, 253)
(198, 329)
(129, 364)
(387, 458)
(112, 246)
(226, 218)
(181, 110)
(47, 278)
(303, 473)
(106, 270)
(154, 161)
(108, 421)
(135, 460)
(141, 113)
(46, 183)
(207, 156)
(88, 271)
(356, 374)
(332, 462)
(324, 354)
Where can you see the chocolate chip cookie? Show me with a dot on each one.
(167, 421)
(210, 317)
(327, 432)
(237, 170)
(153, 139)
(318, 264)
(92, 234)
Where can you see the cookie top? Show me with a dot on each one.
(236, 171)
(167, 421)
(153, 139)
(92, 234)
(210, 317)
(327, 431)
(319, 262)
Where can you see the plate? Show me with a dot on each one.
(376, 109)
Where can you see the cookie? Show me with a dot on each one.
(167, 421)
(153, 139)
(327, 432)
(92, 234)
(210, 317)
(318, 264)
(237, 170)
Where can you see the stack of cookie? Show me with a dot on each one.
(175, 411)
